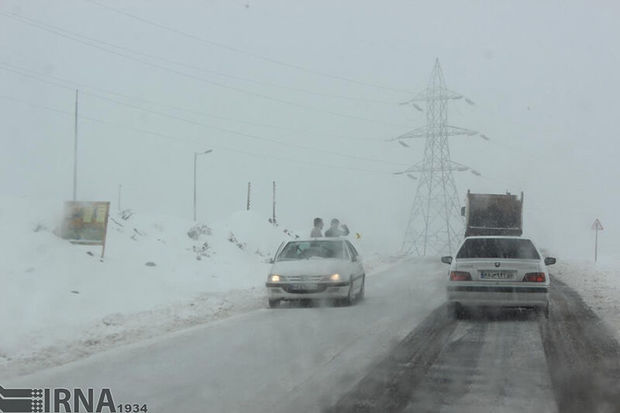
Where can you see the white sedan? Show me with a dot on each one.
(316, 269)
(499, 272)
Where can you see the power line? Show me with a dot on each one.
(247, 135)
(176, 139)
(197, 68)
(244, 52)
(421, 131)
(92, 43)
(38, 75)
(234, 132)
(230, 131)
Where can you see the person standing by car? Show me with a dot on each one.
(337, 230)
(317, 231)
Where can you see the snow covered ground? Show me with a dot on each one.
(598, 284)
(62, 302)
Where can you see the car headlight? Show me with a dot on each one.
(274, 278)
(334, 277)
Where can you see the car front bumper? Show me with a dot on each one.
(501, 296)
(307, 291)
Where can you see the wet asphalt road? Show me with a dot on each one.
(507, 361)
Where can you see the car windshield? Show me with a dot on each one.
(498, 248)
(301, 250)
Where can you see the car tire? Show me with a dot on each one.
(348, 300)
(458, 311)
(362, 293)
(543, 311)
(274, 303)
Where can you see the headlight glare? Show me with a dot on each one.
(274, 278)
(334, 277)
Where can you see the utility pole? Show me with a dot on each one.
(247, 205)
(273, 216)
(195, 161)
(195, 158)
(435, 223)
(75, 147)
(119, 196)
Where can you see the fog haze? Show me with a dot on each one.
(306, 94)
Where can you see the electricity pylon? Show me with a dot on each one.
(435, 223)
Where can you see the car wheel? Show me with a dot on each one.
(274, 303)
(458, 312)
(543, 310)
(362, 293)
(348, 300)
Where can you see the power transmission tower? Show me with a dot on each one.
(435, 223)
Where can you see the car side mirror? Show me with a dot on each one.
(353, 259)
(550, 260)
(270, 261)
(463, 211)
(446, 260)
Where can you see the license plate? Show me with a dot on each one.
(497, 275)
(304, 287)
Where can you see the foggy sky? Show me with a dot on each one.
(545, 79)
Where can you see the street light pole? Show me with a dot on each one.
(75, 147)
(195, 159)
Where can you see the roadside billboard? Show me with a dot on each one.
(86, 223)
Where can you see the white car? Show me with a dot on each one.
(498, 271)
(318, 268)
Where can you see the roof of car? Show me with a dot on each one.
(497, 236)
(318, 239)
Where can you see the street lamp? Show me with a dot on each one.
(195, 158)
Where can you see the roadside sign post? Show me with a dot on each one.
(596, 226)
(86, 223)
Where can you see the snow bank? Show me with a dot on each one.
(598, 285)
(159, 274)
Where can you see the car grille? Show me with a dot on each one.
(304, 278)
(294, 290)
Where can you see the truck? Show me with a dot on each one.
(493, 214)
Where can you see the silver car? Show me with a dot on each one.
(316, 269)
(499, 272)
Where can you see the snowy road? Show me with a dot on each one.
(508, 361)
(267, 360)
(398, 350)
(484, 364)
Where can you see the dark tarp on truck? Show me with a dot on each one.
(493, 214)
